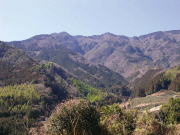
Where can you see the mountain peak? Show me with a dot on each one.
(127, 56)
(109, 33)
(61, 33)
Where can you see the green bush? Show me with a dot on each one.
(170, 113)
(117, 121)
(19, 108)
(94, 95)
(89, 92)
(74, 117)
(147, 124)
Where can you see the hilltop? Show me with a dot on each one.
(129, 56)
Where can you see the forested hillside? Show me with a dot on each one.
(30, 89)
(156, 80)
(63, 84)
(54, 48)
(129, 56)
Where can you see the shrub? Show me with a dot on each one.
(89, 92)
(19, 108)
(96, 96)
(117, 121)
(147, 124)
(74, 117)
(170, 113)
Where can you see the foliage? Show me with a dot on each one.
(20, 106)
(43, 67)
(18, 68)
(55, 78)
(141, 84)
(170, 79)
(94, 95)
(172, 73)
(74, 117)
(18, 98)
(91, 93)
(151, 83)
(147, 124)
(117, 121)
(175, 84)
(170, 113)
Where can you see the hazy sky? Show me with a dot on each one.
(21, 19)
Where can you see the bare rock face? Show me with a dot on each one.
(129, 56)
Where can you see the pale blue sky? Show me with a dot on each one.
(21, 19)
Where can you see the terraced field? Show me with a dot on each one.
(151, 102)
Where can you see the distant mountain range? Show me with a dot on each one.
(59, 81)
(55, 49)
(109, 62)
(38, 73)
(129, 56)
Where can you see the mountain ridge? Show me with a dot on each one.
(70, 60)
(129, 56)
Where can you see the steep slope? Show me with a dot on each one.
(169, 79)
(28, 90)
(133, 56)
(55, 48)
(156, 80)
(17, 68)
(129, 56)
(52, 81)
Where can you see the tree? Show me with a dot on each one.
(117, 121)
(170, 113)
(74, 117)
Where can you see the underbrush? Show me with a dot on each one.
(116, 121)
(94, 95)
(20, 107)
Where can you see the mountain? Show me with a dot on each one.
(29, 90)
(157, 79)
(51, 69)
(62, 49)
(18, 68)
(133, 56)
(129, 56)
(15, 66)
